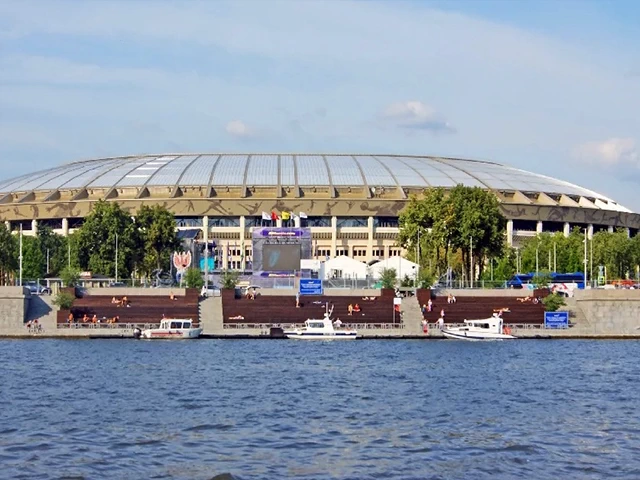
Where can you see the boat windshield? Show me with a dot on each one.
(176, 325)
(316, 325)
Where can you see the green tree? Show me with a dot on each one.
(158, 237)
(426, 279)
(388, 277)
(193, 278)
(70, 276)
(464, 217)
(55, 247)
(8, 257)
(96, 241)
(33, 262)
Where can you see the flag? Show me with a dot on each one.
(274, 215)
(303, 215)
(286, 215)
(266, 216)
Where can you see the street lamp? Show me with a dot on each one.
(585, 259)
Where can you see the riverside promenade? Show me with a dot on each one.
(595, 314)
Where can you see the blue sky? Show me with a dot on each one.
(551, 86)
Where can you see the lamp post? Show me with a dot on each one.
(585, 259)
(471, 262)
(20, 257)
(537, 250)
(116, 257)
(591, 260)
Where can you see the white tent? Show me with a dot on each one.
(402, 266)
(344, 267)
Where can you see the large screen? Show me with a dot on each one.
(280, 257)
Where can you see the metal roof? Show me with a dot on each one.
(212, 169)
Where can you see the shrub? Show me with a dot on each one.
(229, 278)
(64, 300)
(193, 278)
(553, 302)
(388, 278)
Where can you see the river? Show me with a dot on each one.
(376, 409)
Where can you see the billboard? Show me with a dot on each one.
(280, 258)
(279, 251)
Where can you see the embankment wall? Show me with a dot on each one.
(14, 304)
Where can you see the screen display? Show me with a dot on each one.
(280, 257)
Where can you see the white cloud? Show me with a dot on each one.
(239, 129)
(416, 115)
(614, 151)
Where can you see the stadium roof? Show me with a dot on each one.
(295, 170)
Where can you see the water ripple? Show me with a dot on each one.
(362, 410)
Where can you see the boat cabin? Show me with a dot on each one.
(175, 324)
(493, 324)
(314, 324)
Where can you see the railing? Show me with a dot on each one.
(115, 326)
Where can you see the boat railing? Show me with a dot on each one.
(512, 326)
(288, 326)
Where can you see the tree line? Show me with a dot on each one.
(144, 243)
(443, 229)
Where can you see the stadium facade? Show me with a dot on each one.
(350, 202)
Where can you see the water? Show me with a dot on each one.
(285, 409)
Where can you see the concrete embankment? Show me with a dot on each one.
(597, 314)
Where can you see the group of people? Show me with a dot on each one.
(428, 307)
(123, 302)
(94, 320)
(34, 326)
(351, 309)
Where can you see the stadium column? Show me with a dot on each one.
(34, 226)
(65, 227)
(539, 227)
(567, 229)
(370, 235)
(334, 236)
(225, 255)
(509, 232)
(7, 224)
(243, 260)
(590, 231)
(205, 229)
(610, 229)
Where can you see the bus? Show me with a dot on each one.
(562, 283)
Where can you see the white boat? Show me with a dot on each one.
(490, 328)
(174, 328)
(322, 329)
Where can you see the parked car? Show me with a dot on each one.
(36, 289)
(117, 284)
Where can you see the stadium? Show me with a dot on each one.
(350, 202)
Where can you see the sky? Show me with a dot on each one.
(552, 87)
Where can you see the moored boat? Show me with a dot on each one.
(170, 328)
(491, 328)
(322, 329)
